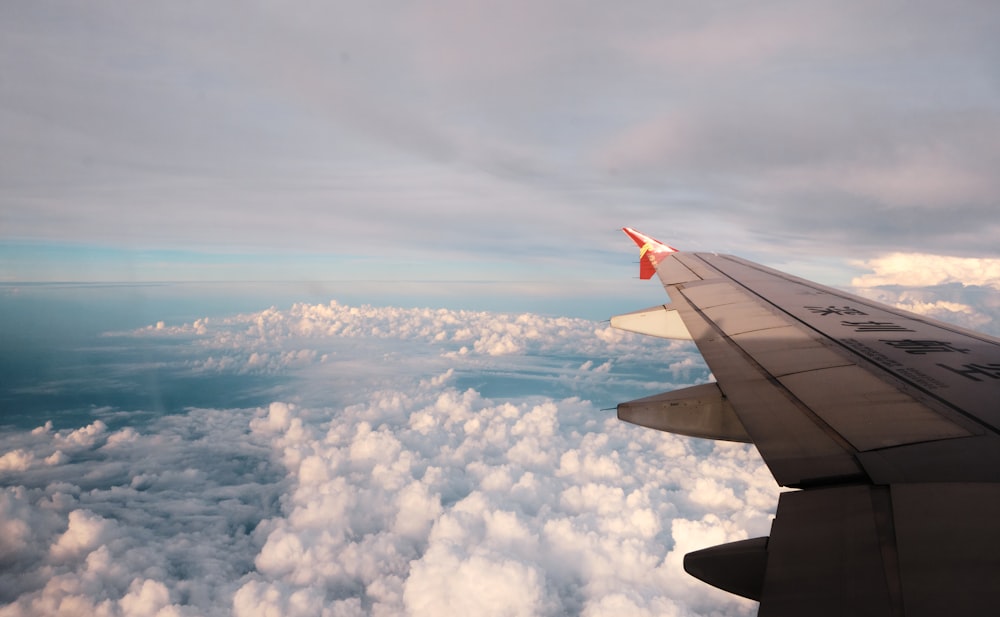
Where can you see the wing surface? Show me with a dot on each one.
(873, 411)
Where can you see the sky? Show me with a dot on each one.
(301, 306)
(448, 140)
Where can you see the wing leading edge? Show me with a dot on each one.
(888, 422)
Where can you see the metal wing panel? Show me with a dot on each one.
(673, 272)
(949, 547)
(695, 264)
(958, 369)
(715, 292)
(797, 448)
(801, 392)
(786, 350)
(742, 317)
(866, 411)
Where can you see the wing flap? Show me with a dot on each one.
(826, 555)
(869, 550)
(949, 547)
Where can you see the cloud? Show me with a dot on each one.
(327, 338)
(436, 510)
(925, 270)
(808, 120)
(946, 311)
(388, 476)
(960, 290)
(970, 307)
(85, 533)
(419, 496)
(16, 460)
(155, 522)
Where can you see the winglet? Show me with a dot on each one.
(651, 253)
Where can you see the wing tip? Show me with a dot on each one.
(651, 252)
(648, 242)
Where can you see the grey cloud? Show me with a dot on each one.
(159, 124)
(137, 522)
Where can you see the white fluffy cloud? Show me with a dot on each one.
(960, 290)
(421, 498)
(436, 502)
(924, 270)
(125, 522)
(340, 343)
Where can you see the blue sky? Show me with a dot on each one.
(453, 140)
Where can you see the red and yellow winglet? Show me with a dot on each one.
(651, 252)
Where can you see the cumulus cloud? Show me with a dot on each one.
(468, 504)
(157, 522)
(420, 497)
(960, 290)
(925, 270)
(86, 532)
(16, 460)
(337, 340)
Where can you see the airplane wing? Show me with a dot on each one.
(888, 422)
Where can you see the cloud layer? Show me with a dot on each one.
(109, 522)
(424, 497)
(470, 132)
